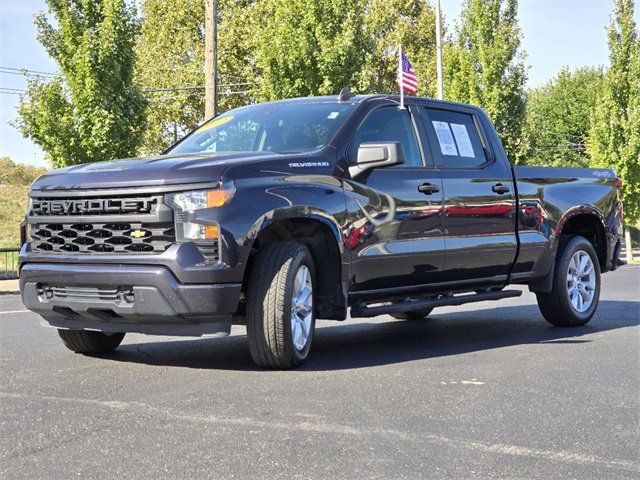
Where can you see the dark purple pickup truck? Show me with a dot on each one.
(274, 215)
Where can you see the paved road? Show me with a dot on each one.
(483, 391)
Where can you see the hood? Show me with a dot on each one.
(144, 172)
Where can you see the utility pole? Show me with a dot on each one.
(211, 59)
(439, 50)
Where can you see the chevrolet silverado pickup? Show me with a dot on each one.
(277, 214)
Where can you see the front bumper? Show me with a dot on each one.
(126, 298)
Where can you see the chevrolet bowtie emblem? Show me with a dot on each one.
(137, 233)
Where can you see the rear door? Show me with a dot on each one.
(479, 195)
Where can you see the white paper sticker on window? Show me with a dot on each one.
(462, 139)
(333, 115)
(447, 145)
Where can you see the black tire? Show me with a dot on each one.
(269, 305)
(556, 306)
(419, 315)
(90, 343)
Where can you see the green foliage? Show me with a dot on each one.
(387, 24)
(15, 180)
(92, 112)
(614, 140)
(170, 55)
(308, 47)
(556, 127)
(18, 174)
(170, 60)
(13, 205)
(483, 66)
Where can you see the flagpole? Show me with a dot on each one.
(439, 51)
(400, 81)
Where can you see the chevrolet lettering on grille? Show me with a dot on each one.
(92, 206)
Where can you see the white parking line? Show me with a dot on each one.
(339, 429)
(14, 311)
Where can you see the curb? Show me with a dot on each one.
(9, 287)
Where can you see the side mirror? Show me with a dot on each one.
(376, 155)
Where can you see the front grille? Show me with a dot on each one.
(118, 237)
(101, 225)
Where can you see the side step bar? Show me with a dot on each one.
(444, 301)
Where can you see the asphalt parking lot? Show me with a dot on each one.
(481, 391)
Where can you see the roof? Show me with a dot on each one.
(363, 98)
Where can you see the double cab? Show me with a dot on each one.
(277, 214)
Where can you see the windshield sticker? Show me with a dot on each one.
(333, 115)
(445, 138)
(462, 139)
(215, 123)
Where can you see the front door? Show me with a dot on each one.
(396, 233)
(479, 196)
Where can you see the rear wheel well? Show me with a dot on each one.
(588, 226)
(322, 244)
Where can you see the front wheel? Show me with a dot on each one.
(281, 306)
(89, 342)
(576, 285)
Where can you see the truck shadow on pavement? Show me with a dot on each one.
(387, 341)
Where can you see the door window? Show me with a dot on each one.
(455, 139)
(389, 124)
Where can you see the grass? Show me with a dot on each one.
(13, 205)
(8, 264)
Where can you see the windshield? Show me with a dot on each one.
(271, 127)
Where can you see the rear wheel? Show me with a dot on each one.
(576, 285)
(281, 306)
(89, 342)
(417, 315)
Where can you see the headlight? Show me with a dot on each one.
(186, 205)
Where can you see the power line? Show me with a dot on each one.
(196, 95)
(26, 72)
(195, 87)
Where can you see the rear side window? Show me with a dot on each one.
(455, 139)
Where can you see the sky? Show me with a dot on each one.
(556, 33)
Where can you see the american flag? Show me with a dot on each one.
(407, 78)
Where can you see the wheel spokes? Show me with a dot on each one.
(301, 308)
(574, 296)
(581, 281)
(584, 295)
(584, 261)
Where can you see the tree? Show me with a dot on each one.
(484, 66)
(388, 23)
(170, 59)
(556, 126)
(614, 140)
(92, 111)
(308, 47)
(169, 68)
(18, 174)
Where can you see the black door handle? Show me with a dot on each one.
(500, 189)
(428, 188)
